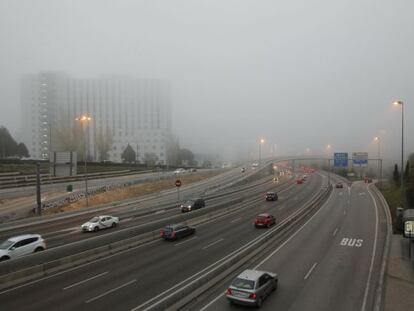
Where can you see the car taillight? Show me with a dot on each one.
(162, 232)
(228, 292)
(173, 234)
(253, 296)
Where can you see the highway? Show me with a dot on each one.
(64, 229)
(331, 263)
(134, 277)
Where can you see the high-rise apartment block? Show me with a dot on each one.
(130, 111)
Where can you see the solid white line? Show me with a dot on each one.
(310, 271)
(77, 267)
(335, 232)
(126, 219)
(211, 244)
(211, 302)
(110, 291)
(374, 249)
(176, 244)
(84, 281)
(234, 220)
(292, 236)
(160, 212)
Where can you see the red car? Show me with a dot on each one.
(299, 181)
(264, 220)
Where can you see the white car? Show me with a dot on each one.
(21, 245)
(100, 222)
(179, 171)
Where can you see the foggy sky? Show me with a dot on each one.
(301, 74)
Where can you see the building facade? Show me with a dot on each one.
(123, 110)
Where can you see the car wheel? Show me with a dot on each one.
(4, 258)
(38, 249)
(96, 229)
(113, 225)
(259, 302)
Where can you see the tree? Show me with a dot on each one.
(104, 141)
(396, 176)
(150, 159)
(409, 192)
(185, 156)
(22, 151)
(9, 147)
(407, 172)
(129, 154)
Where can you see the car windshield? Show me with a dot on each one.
(243, 283)
(6, 244)
(95, 219)
(167, 230)
(188, 202)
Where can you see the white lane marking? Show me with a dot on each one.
(214, 243)
(292, 236)
(310, 271)
(362, 193)
(110, 291)
(335, 232)
(126, 219)
(77, 267)
(176, 244)
(160, 212)
(351, 242)
(86, 280)
(236, 219)
(374, 249)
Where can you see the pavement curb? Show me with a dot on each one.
(380, 290)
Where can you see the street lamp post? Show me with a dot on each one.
(85, 119)
(401, 103)
(261, 142)
(328, 149)
(379, 163)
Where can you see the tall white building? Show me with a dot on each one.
(134, 111)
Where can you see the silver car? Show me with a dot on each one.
(251, 287)
(21, 245)
(100, 222)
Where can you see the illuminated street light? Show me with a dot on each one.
(84, 119)
(261, 142)
(400, 103)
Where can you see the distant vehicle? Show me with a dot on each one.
(193, 170)
(305, 176)
(176, 231)
(275, 179)
(179, 171)
(339, 185)
(21, 245)
(251, 287)
(271, 196)
(255, 164)
(299, 181)
(192, 204)
(243, 169)
(368, 180)
(264, 220)
(100, 222)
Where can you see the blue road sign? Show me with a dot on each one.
(341, 159)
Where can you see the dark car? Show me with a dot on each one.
(299, 181)
(271, 196)
(264, 220)
(176, 231)
(339, 185)
(192, 204)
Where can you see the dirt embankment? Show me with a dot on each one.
(132, 192)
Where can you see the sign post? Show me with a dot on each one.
(178, 185)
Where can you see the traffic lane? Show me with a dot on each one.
(161, 253)
(163, 198)
(67, 231)
(295, 259)
(349, 261)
